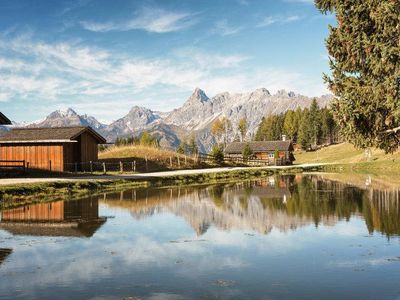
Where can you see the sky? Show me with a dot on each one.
(102, 57)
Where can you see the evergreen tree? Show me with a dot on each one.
(217, 154)
(305, 130)
(247, 152)
(365, 61)
(315, 122)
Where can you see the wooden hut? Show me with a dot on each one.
(55, 149)
(78, 218)
(263, 150)
(4, 120)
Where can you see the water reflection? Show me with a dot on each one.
(4, 253)
(285, 203)
(79, 218)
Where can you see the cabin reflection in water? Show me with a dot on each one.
(284, 203)
(78, 218)
(4, 253)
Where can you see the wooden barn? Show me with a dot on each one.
(264, 151)
(78, 218)
(54, 149)
(4, 120)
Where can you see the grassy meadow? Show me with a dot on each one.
(347, 156)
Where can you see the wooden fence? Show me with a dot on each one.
(13, 165)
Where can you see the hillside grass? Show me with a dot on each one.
(348, 157)
(158, 159)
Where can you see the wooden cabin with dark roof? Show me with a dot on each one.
(4, 120)
(54, 149)
(264, 150)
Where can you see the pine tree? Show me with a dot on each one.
(365, 61)
(247, 152)
(314, 122)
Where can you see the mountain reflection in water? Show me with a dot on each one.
(285, 203)
(288, 237)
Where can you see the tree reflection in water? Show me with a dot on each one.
(284, 203)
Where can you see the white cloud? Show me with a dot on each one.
(71, 73)
(280, 20)
(151, 20)
(223, 28)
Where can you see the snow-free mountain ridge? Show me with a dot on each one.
(193, 118)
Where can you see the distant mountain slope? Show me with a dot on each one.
(193, 118)
(69, 117)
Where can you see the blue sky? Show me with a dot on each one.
(102, 57)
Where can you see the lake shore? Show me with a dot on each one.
(19, 191)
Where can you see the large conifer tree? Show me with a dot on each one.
(364, 48)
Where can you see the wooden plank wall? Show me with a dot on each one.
(89, 148)
(38, 156)
(38, 212)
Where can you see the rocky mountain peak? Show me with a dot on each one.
(198, 96)
(261, 92)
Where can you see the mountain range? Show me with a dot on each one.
(193, 118)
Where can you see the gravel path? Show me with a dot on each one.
(11, 181)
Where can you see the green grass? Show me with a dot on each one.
(348, 158)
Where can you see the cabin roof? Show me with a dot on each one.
(49, 135)
(72, 229)
(266, 146)
(4, 120)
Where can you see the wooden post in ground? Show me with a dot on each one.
(134, 166)
(147, 168)
(185, 160)
(91, 167)
(50, 165)
(104, 168)
(170, 162)
(179, 162)
(121, 167)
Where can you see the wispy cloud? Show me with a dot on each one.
(33, 70)
(148, 19)
(223, 28)
(280, 20)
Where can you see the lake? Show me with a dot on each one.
(289, 237)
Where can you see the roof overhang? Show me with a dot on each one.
(37, 141)
(4, 120)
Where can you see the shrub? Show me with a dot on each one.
(217, 154)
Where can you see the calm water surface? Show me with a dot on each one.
(275, 238)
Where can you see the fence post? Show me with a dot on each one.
(24, 167)
(185, 160)
(179, 162)
(134, 166)
(76, 167)
(50, 165)
(121, 167)
(146, 163)
(170, 161)
(104, 168)
(91, 167)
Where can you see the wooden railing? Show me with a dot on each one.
(12, 164)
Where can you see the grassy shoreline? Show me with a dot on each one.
(23, 194)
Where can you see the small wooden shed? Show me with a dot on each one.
(54, 149)
(4, 120)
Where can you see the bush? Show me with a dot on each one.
(247, 152)
(218, 154)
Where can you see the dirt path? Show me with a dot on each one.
(12, 181)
